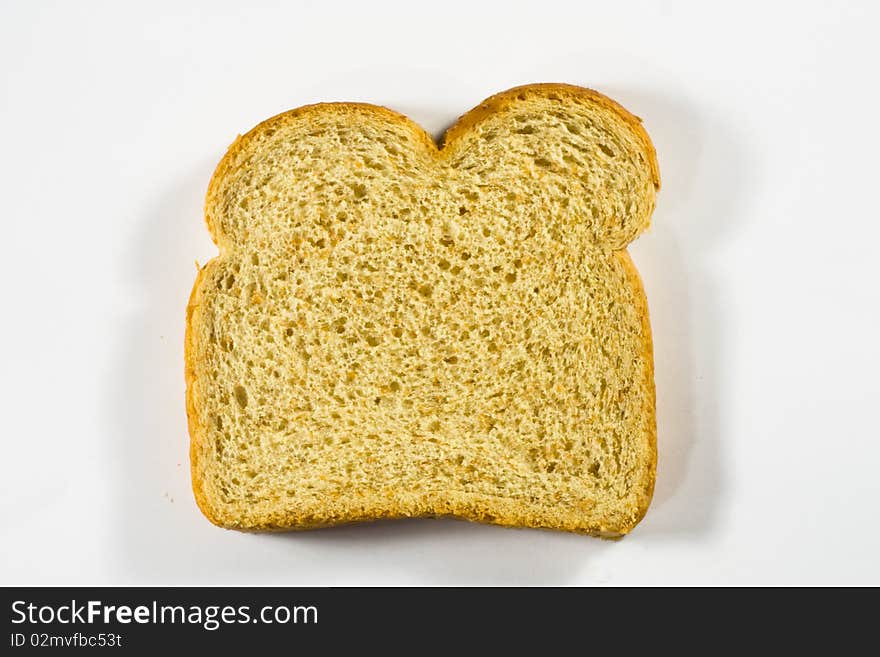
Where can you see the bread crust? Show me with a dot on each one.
(473, 507)
(196, 430)
(635, 280)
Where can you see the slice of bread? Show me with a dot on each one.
(395, 329)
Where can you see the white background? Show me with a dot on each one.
(760, 271)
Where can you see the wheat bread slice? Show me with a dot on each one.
(393, 329)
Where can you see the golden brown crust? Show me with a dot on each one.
(485, 509)
(648, 355)
(499, 511)
(196, 430)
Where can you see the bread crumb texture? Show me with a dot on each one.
(394, 329)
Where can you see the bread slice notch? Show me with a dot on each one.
(397, 330)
